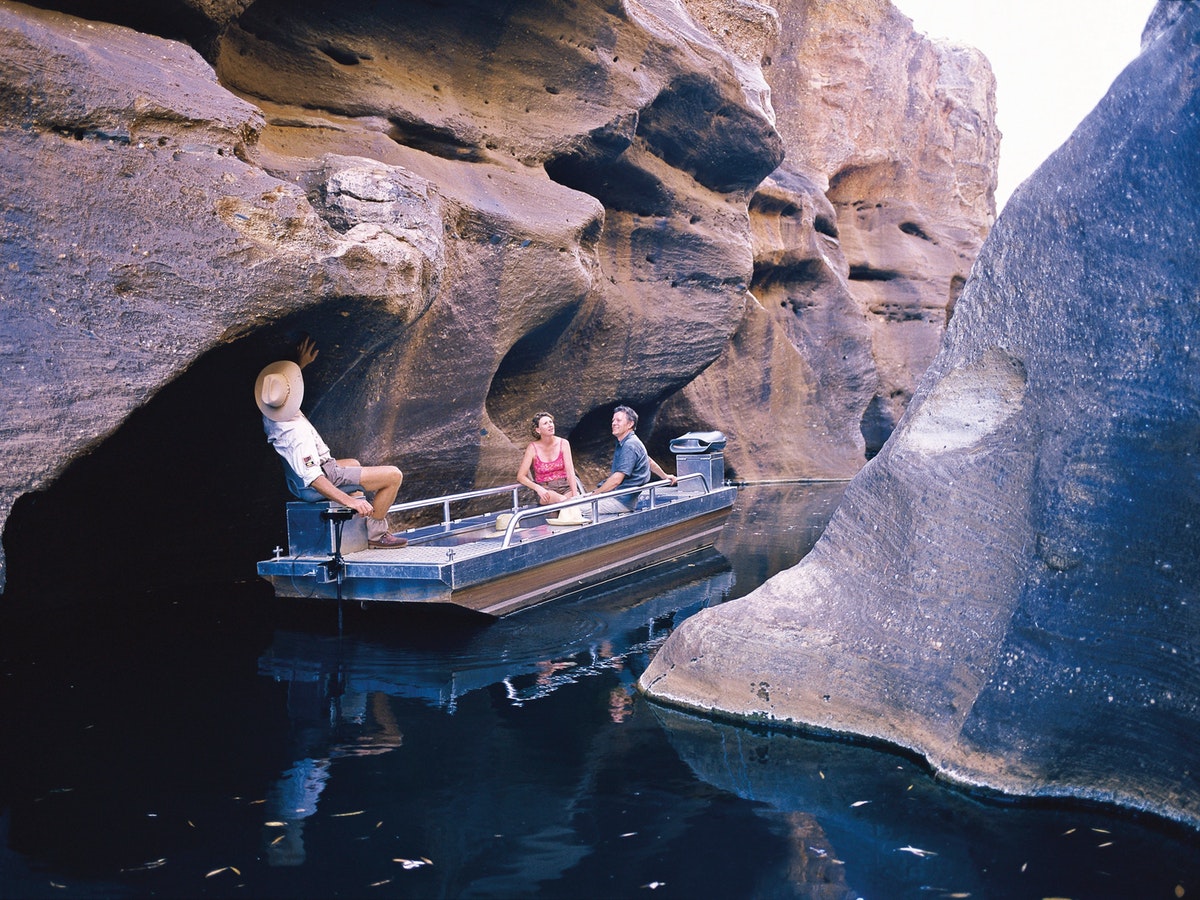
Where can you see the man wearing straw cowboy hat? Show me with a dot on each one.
(312, 472)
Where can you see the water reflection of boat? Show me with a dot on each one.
(339, 687)
(530, 656)
(501, 561)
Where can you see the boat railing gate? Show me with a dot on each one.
(593, 499)
(445, 501)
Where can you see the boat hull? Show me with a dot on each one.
(470, 566)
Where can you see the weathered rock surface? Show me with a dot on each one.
(863, 239)
(478, 211)
(1010, 588)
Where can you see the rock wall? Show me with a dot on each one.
(477, 210)
(863, 238)
(1010, 587)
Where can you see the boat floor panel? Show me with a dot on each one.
(433, 553)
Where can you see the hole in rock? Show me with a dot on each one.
(521, 378)
(440, 142)
(877, 424)
(343, 55)
(618, 185)
(798, 274)
(718, 141)
(867, 273)
(915, 230)
(174, 21)
(826, 226)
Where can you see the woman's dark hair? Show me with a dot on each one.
(537, 417)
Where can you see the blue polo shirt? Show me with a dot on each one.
(632, 461)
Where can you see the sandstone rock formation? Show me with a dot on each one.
(1010, 587)
(478, 211)
(863, 238)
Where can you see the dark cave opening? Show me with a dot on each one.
(186, 492)
(188, 473)
(174, 21)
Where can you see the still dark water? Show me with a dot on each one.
(217, 746)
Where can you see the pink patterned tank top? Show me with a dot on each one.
(544, 472)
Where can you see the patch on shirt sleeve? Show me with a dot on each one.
(310, 461)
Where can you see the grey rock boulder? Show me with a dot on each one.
(1010, 588)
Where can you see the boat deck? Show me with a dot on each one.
(495, 562)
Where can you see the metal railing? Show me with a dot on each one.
(447, 499)
(519, 514)
(593, 501)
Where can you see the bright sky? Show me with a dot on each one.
(1053, 61)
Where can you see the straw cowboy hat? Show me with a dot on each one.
(279, 390)
(572, 515)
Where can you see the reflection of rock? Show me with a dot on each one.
(1009, 588)
(811, 788)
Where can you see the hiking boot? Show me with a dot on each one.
(387, 541)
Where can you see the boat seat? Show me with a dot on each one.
(309, 495)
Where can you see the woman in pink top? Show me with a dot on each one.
(553, 473)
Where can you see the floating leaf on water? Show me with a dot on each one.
(655, 885)
(414, 863)
(278, 839)
(1065, 833)
(1105, 844)
(860, 803)
(1101, 831)
(275, 824)
(822, 774)
(1024, 866)
(191, 824)
(257, 802)
(629, 834)
(153, 864)
(380, 883)
(55, 884)
(358, 812)
(1178, 890)
(915, 851)
(217, 871)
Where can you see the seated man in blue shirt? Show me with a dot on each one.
(631, 465)
(312, 472)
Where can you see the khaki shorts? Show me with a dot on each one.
(341, 475)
